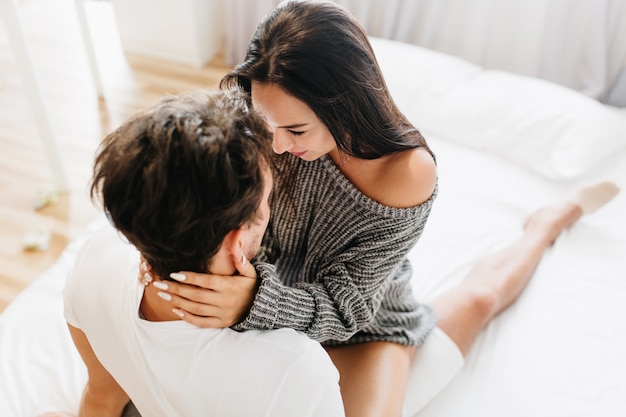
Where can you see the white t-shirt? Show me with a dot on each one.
(176, 369)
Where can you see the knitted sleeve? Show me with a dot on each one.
(348, 287)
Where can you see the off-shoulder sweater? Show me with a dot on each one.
(333, 263)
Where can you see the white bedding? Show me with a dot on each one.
(558, 351)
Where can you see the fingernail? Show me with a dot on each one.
(178, 276)
(178, 312)
(243, 260)
(147, 277)
(160, 285)
(144, 266)
(164, 296)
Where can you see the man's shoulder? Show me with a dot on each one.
(103, 259)
(105, 248)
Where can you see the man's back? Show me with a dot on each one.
(173, 368)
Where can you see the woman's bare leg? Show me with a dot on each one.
(498, 280)
(373, 377)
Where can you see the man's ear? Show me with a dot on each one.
(234, 244)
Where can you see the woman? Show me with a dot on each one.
(355, 187)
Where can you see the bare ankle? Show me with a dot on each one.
(548, 223)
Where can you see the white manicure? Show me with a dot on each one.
(178, 276)
(147, 277)
(160, 285)
(164, 296)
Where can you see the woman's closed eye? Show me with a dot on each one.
(296, 132)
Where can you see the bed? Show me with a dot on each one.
(506, 145)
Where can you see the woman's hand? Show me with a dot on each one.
(207, 300)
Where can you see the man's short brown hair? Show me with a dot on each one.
(176, 178)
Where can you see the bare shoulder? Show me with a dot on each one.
(407, 179)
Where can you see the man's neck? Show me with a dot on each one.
(154, 308)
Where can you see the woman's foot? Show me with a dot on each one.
(591, 197)
(553, 220)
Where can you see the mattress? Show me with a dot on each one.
(506, 145)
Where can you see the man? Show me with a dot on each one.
(186, 186)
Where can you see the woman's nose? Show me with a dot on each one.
(281, 142)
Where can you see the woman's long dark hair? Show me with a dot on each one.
(320, 54)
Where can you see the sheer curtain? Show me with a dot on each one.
(580, 44)
(241, 20)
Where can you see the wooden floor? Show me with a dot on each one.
(79, 121)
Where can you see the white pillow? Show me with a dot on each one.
(416, 75)
(549, 129)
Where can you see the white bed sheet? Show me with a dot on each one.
(558, 351)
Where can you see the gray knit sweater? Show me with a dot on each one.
(333, 263)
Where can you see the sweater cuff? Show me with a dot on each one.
(264, 311)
